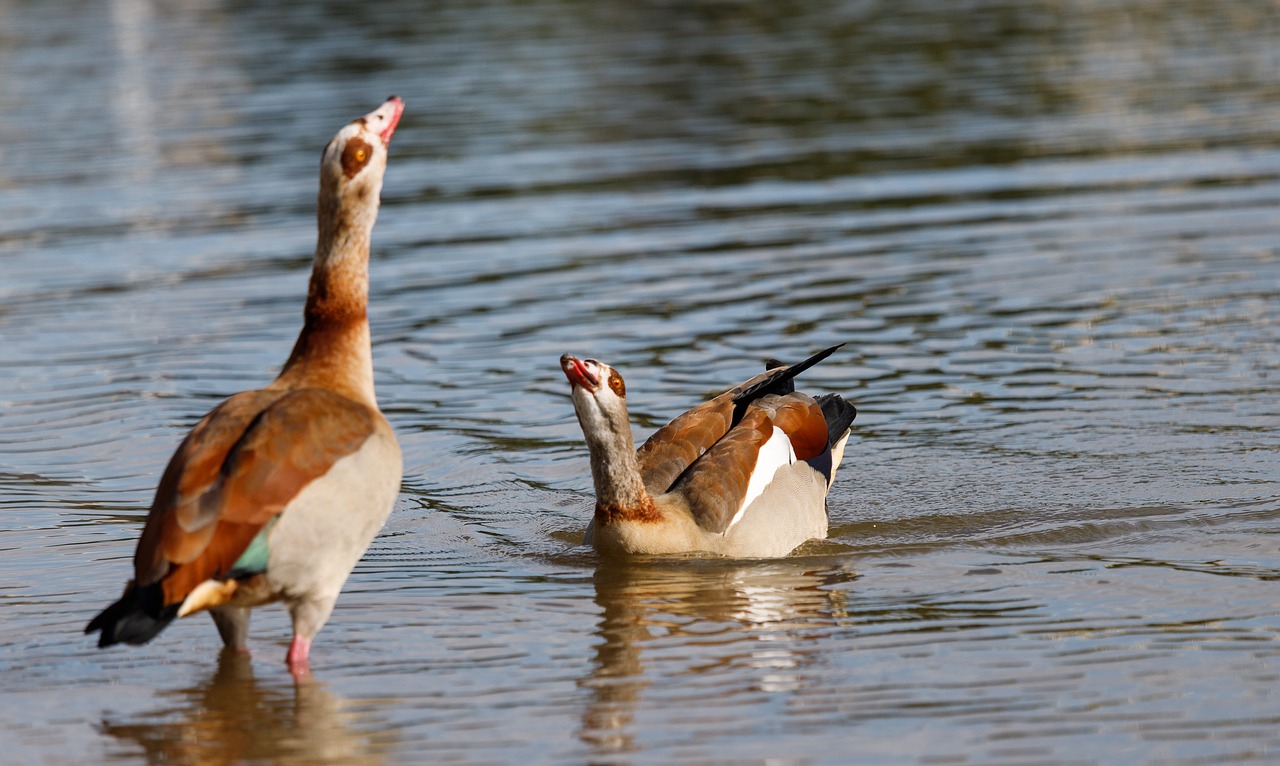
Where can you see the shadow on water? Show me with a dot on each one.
(233, 718)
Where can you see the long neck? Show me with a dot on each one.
(333, 349)
(620, 492)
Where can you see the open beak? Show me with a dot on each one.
(577, 373)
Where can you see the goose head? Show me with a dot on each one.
(353, 164)
(599, 397)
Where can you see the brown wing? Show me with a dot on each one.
(677, 445)
(238, 468)
(715, 488)
(674, 447)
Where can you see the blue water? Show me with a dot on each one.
(1046, 231)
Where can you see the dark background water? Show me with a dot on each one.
(1046, 231)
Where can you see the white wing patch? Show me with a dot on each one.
(774, 454)
(837, 454)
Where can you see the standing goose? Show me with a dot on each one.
(744, 475)
(276, 493)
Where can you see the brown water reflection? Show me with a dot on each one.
(232, 718)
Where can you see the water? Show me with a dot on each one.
(1046, 231)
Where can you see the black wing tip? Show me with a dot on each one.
(818, 357)
(780, 383)
(136, 618)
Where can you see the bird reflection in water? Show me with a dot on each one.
(681, 617)
(232, 718)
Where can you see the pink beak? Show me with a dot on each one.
(577, 373)
(385, 118)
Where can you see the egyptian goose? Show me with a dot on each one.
(743, 475)
(276, 493)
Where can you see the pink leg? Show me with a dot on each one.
(299, 650)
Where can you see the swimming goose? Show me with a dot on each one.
(276, 493)
(743, 475)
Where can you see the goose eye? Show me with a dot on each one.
(354, 156)
(617, 386)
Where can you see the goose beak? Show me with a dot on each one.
(385, 118)
(578, 374)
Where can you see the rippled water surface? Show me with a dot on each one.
(1046, 230)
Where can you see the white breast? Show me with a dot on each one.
(325, 530)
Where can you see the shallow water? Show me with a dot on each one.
(1045, 230)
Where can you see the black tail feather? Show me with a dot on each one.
(839, 415)
(136, 618)
(782, 382)
(783, 387)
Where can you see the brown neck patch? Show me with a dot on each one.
(333, 356)
(327, 338)
(645, 512)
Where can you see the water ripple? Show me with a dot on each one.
(1045, 233)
